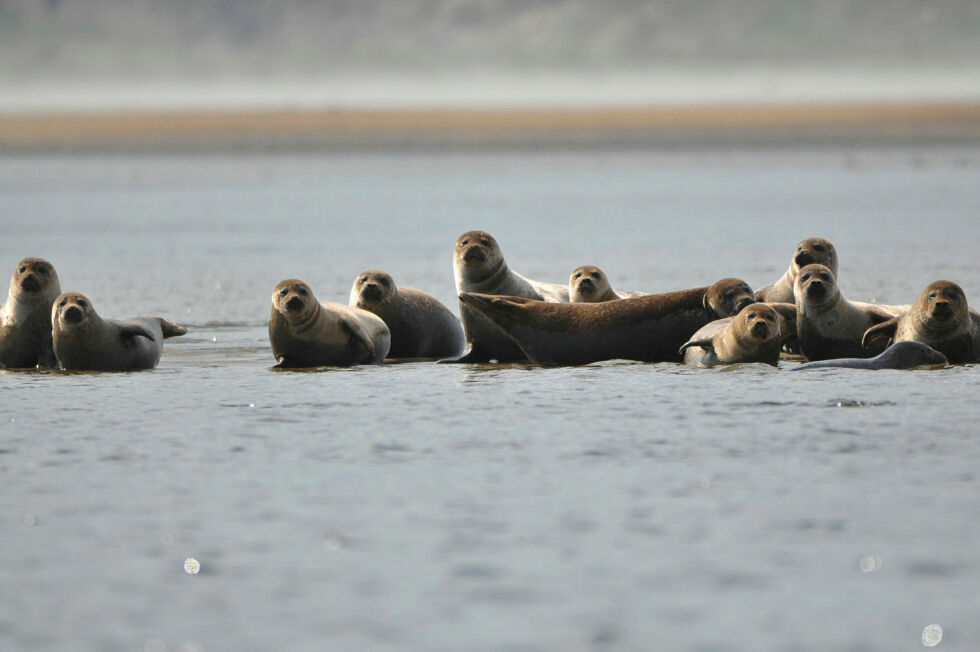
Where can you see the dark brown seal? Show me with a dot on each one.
(650, 328)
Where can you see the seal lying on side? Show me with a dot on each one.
(85, 341)
(941, 318)
(753, 335)
(421, 327)
(589, 284)
(25, 319)
(649, 328)
(307, 333)
(479, 266)
(827, 324)
(900, 355)
(808, 252)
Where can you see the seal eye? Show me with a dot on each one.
(578, 275)
(81, 303)
(751, 315)
(806, 276)
(283, 292)
(819, 248)
(464, 242)
(62, 303)
(932, 295)
(484, 242)
(302, 292)
(824, 276)
(596, 275)
(364, 279)
(385, 282)
(23, 268)
(729, 294)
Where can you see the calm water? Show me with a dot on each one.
(440, 507)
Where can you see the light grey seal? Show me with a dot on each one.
(589, 284)
(941, 318)
(421, 327)
(25, 318)
(85, 341)
(808, 252)
(479, 266)
(753, 335)
(829, 326)
(900, 355)
(307, 333)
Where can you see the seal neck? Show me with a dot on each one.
(477, 281)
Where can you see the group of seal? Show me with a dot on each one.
(507, 317)
(41, 327)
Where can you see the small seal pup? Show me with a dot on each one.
(941, 318)
(589, 284)
(307, 333)
(479, 266)
(808, 252)
(649, 328)
(828, 325)
(25, 318)
(900, 355)
(753, 335)
(421, 327)
(84, 341)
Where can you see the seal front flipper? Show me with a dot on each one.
(707, 345)
(357, 334)
(134, 330)
(885, 329)
(473, 354)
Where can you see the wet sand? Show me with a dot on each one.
(872, 123)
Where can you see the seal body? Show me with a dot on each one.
(808, 252)
(940, 318)
(25, 318)
(900, 355)
(649, 328)
(307, 333)
(829, 326)
(479, 266)
(589, 284)
(84, 341)
(753, 335)
(421, 327)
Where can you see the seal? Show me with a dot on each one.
(753, 335)
(808, 252)
(84, 341)
(25, 318)
(829, 326)
(421, 326)
(589, 284)
(900, 355)
(307, 333)
(479, 266)
(729, 296)
(940, 318)
(650, 328)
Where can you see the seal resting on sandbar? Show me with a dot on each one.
(900, 355)
(305, 332)
(589, 284)
(941, 318)
(83, 341)
(827, 324)
(25, 318)
(808, 252)
(421, 327)
(755, 334)
(479, 266)
(650, 328)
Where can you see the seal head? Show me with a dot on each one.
(728, 297)
(589, 284)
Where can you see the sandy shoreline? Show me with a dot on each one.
(778, 124)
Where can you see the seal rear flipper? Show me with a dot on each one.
(134, 330)
(472, 354)
(707, 345)
(884, 329)
(171, 329)
(356, 333)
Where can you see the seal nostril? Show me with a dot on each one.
(295, 303)
(73, 314)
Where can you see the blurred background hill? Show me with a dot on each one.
(58, 54)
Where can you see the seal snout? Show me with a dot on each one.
(295, 303)
(586, 285)
(942, 310)
(760, 329)
(475, 253)
(372, 292)
(73, 314)
(31, 283)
